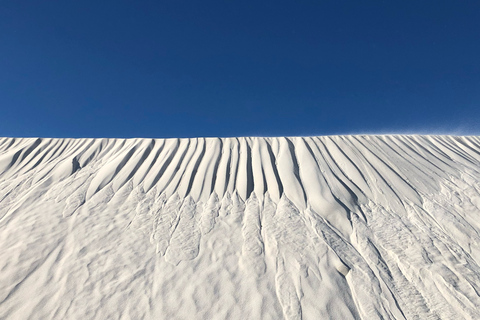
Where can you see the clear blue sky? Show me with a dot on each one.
(238, 68)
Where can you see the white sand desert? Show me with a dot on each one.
(336, 227)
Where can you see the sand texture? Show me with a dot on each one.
(336, 227)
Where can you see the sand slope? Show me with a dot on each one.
(339, 227)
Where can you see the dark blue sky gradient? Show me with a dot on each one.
(238, 68)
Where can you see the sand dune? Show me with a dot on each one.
(336, 227)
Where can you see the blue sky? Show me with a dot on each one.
(238, 68)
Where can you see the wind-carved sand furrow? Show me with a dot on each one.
(89, 152)
(273, 166)
(168, 164)
(35, 155)
(381, 169)
(55, 151)
(456, 154)
(444, 154)
(20, 143)
(421, 180)
(262, 167)
(381, 175)
(206, 172)
(318, 192)
(12, 159)
(344, 190)
(56, 171)
(193, 170)
(427, 164)
(109, 172)
(133, 163)
(434, 156)
(109, 148)
(336, 157)
(288, 172)
(471, 145)
(165, 158)
(253, 249)
(244, 177)
(218, 155)
(260, 183)
(7, 143)
(233, 165)
(378, 186)
(72, 148)
(183, 178)
(39, 155)
(295, 166)
(222, 174)
(250, 177)
(456, 146)
(58, 152)
(149, 163)
(393, 174)
(467, 147)
(177, 170)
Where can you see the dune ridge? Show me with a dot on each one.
(333, 227)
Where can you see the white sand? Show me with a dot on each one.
(341, 227)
